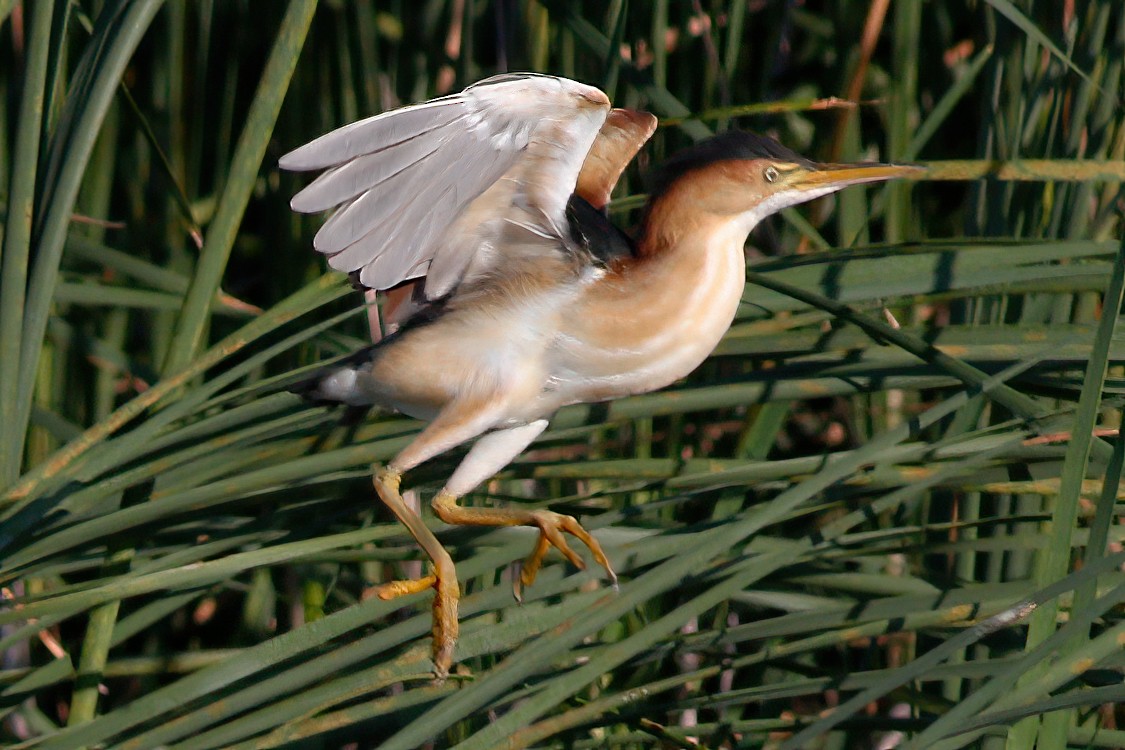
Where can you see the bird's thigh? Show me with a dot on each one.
(433, 379)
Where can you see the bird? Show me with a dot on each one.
(486, 211)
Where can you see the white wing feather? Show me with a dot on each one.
(426, 189)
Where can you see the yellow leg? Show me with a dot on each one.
(456, 423)
(443, 580)
(551, 526)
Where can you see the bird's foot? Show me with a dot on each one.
(552, 527)
(445, 626)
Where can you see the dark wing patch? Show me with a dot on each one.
(596, 234)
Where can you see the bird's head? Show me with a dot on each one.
(739, 178)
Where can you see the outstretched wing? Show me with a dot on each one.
(622, 135)
(426, 189)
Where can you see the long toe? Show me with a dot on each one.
(395, 589)
(552, 527)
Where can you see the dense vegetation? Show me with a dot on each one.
(886, 513)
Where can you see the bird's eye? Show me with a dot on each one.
(770, 174)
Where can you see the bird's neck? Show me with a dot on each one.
(653, 319)
(694, 263)
(674, 225)
(694, 269)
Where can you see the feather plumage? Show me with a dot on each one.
(428, 190)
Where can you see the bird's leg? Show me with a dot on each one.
(443, 580)
(490, 454)
(454, 425)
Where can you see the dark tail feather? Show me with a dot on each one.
(334, 384)
(314, 389)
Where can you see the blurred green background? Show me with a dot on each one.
(887, 512)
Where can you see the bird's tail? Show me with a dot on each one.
(338, 382)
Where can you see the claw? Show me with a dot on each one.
(551, 528)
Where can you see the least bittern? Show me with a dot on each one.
(526, 298)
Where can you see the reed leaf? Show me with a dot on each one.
(885, 512)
